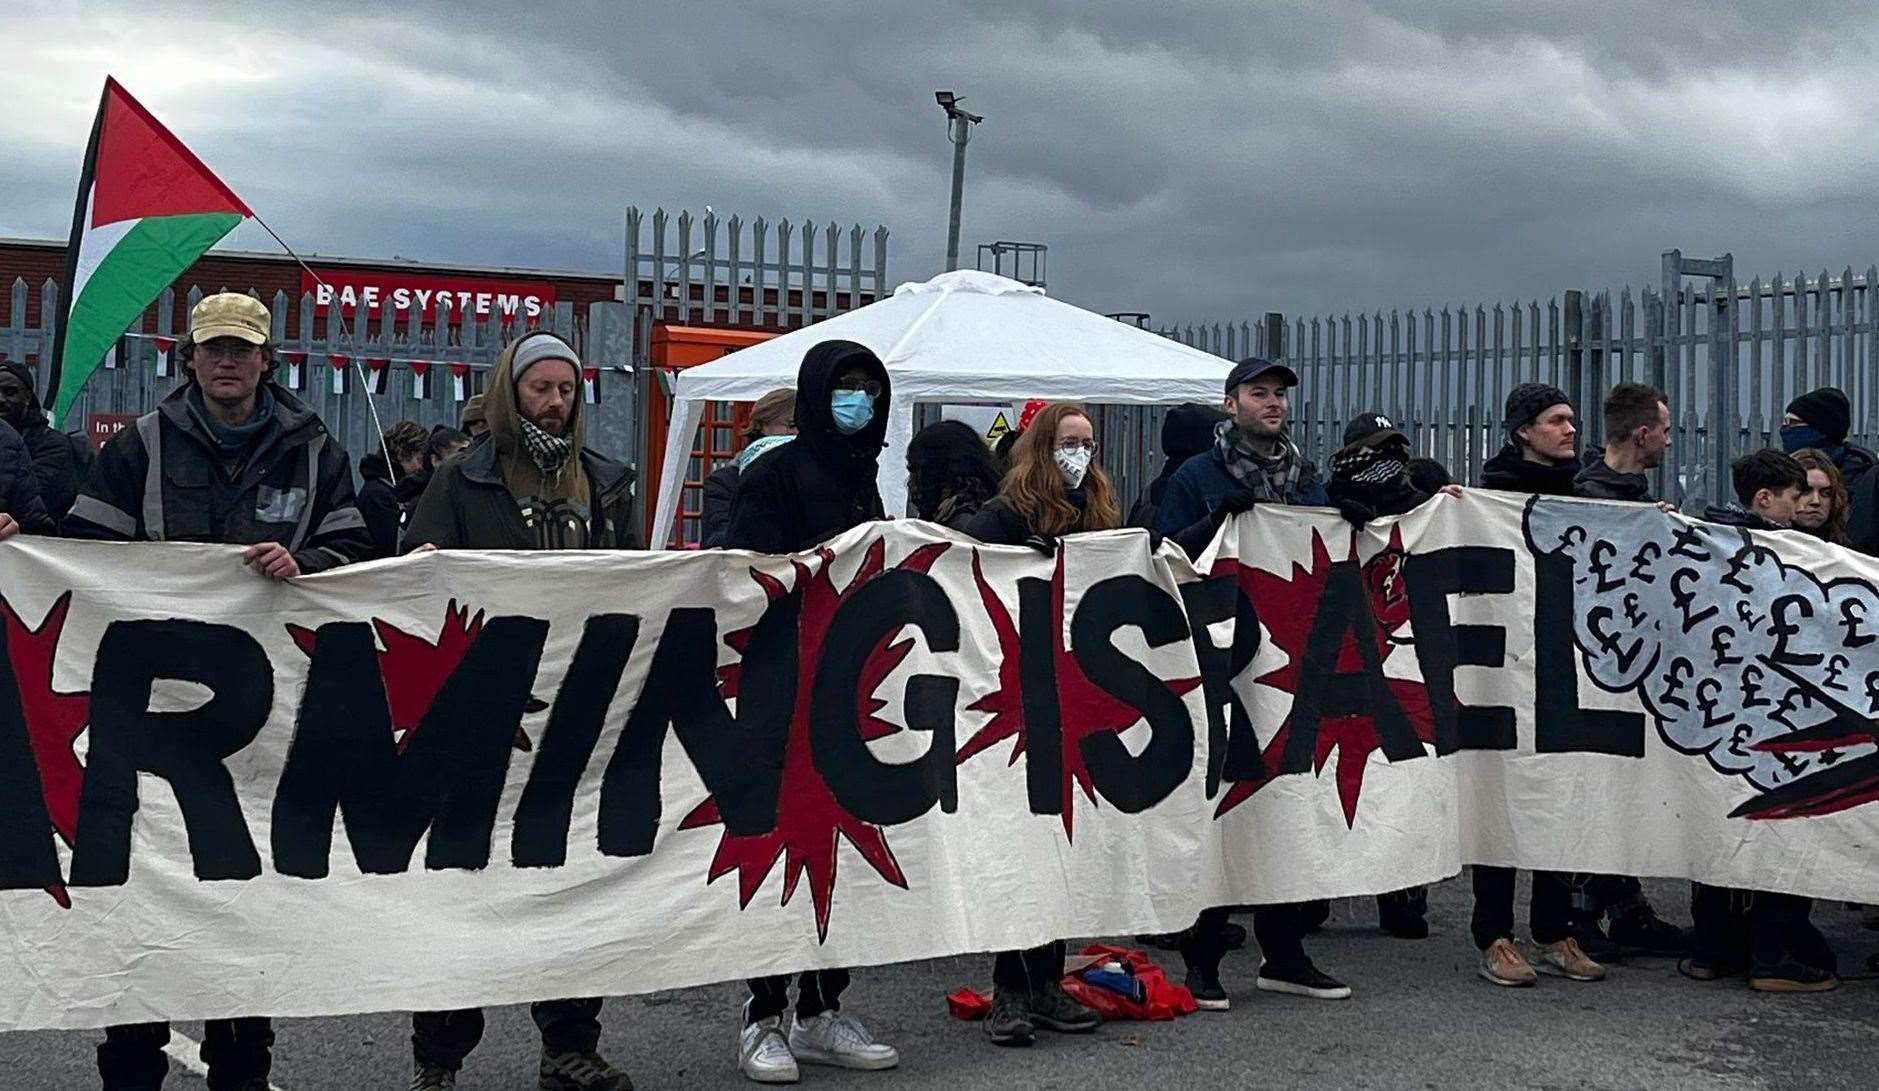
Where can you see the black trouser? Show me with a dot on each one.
(1596, 896)
(447, 1037)
(1279, 929)
(817, 991)
(1758, 927)
(1719, 916)
(1775, 924)
(1494, 906)
(236, 1051)
(1030, 970)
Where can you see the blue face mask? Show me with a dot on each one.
(853, 410)
(1799, 437)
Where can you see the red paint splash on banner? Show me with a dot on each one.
(414, 669)
(1288, 607)
(54, 720)
(810, 822)
(1084, 708)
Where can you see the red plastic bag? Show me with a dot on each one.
(1164, 999)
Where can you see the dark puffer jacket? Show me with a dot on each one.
(56, 459)
(1733, 514)
(384, 502)
(1508, 472)
(19, 494)
(291, 483)
(822, 483)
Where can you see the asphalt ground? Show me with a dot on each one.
(1420, 1019)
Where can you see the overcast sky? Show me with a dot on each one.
(1200, 161)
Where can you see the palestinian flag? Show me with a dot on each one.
(147, 209)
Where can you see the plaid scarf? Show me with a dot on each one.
(1274, 479)
(548, 453)
(1362, 465)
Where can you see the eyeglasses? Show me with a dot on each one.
(240, 352)
(1077, 445)
(867, 386)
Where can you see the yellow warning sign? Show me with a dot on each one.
(999, 429)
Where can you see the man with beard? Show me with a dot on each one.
(531, 484)
(1252, 461)
(56, 461)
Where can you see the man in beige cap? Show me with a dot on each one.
(228, 457)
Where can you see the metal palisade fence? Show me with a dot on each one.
(408, 368)
(1730, 357)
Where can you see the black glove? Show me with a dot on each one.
(1238, 499)
(1043, 543)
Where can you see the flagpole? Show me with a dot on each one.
(365, 383)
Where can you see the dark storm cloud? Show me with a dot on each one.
(1199, 161)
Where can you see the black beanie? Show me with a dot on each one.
(1827, 410)
(1528, 401)
(1188, 430)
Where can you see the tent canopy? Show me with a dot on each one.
(965, 336)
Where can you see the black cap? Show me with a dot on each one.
(1370, 429)
(1254, 367)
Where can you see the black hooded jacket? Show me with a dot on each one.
(1735, 515)
(1186, 431)
(821, 483)
(1509, 472)
(19, 495)
(1598, 481)
(55, 464)
(383, 502)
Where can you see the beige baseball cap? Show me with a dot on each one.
(229, 314)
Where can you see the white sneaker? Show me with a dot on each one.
(763, 1055)
(833, 1038)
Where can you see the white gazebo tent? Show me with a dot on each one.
(966, 336)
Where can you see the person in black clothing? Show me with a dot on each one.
(1053, 488)
(1540, 457)
(389, 490)
(772, 419)
(1820, 420)
(1252, 461)
(237, 460)
(1637, 436)
(950, 473)
(1186, 431)
(534, 484)
(1784, 952)
(445, 444)
(21, 509)
(1370, 479)
(57, 462)
(794, 498)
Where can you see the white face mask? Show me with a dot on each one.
(1073, 464)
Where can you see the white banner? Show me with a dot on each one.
(479, 778)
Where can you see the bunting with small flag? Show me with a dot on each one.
(164, 347)
(296, 362)
(590, 385)
(337, 365)
(459, 382)
(378, 373)
(421, 379)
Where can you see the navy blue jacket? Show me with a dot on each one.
(1198, 486)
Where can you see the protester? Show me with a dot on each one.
(445, 444)
(389, 489)
(534, 484)
(1822, 508)
(470, 421)
(21, 509)
(1637, 437)
(1370, 479)
(1821, 420)
(55, 458)
(1428, 475)
(772, 421)
(1541, 457)
(238, 460)
(798, 496)
(950, 473)
(1186, 431)
(1785, 953)
(1252, 461)
(1053, 489)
